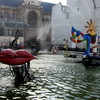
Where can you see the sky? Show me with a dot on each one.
(64, 2)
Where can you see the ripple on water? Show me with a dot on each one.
(55, 77)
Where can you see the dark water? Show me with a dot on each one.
(54, 77)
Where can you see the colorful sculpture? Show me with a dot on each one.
(90, 38)
(54, 49)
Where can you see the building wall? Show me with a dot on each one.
(13, 18)
(9, 19)
(32, 2)
(97, 20)
(97, 15)
(60, 24)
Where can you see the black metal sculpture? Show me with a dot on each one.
(14, 42)
(21, 72)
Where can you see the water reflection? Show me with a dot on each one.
(54, 77)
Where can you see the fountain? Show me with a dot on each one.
(90, 38)
(18, 61)
(69, 16)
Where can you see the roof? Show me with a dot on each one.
(47, 7)
(12, 3)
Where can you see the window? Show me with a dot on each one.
(67, 15)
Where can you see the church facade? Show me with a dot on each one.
(25, 15)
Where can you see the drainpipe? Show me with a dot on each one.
(94, 4)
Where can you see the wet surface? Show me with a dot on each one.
(54, 77)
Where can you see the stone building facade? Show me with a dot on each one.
(25, 15)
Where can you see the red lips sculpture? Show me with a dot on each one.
(15, 57)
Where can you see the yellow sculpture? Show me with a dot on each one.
(91, 28)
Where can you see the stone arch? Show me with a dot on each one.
(32, 19)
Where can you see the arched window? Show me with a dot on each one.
(1, 15)
(32, 19)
